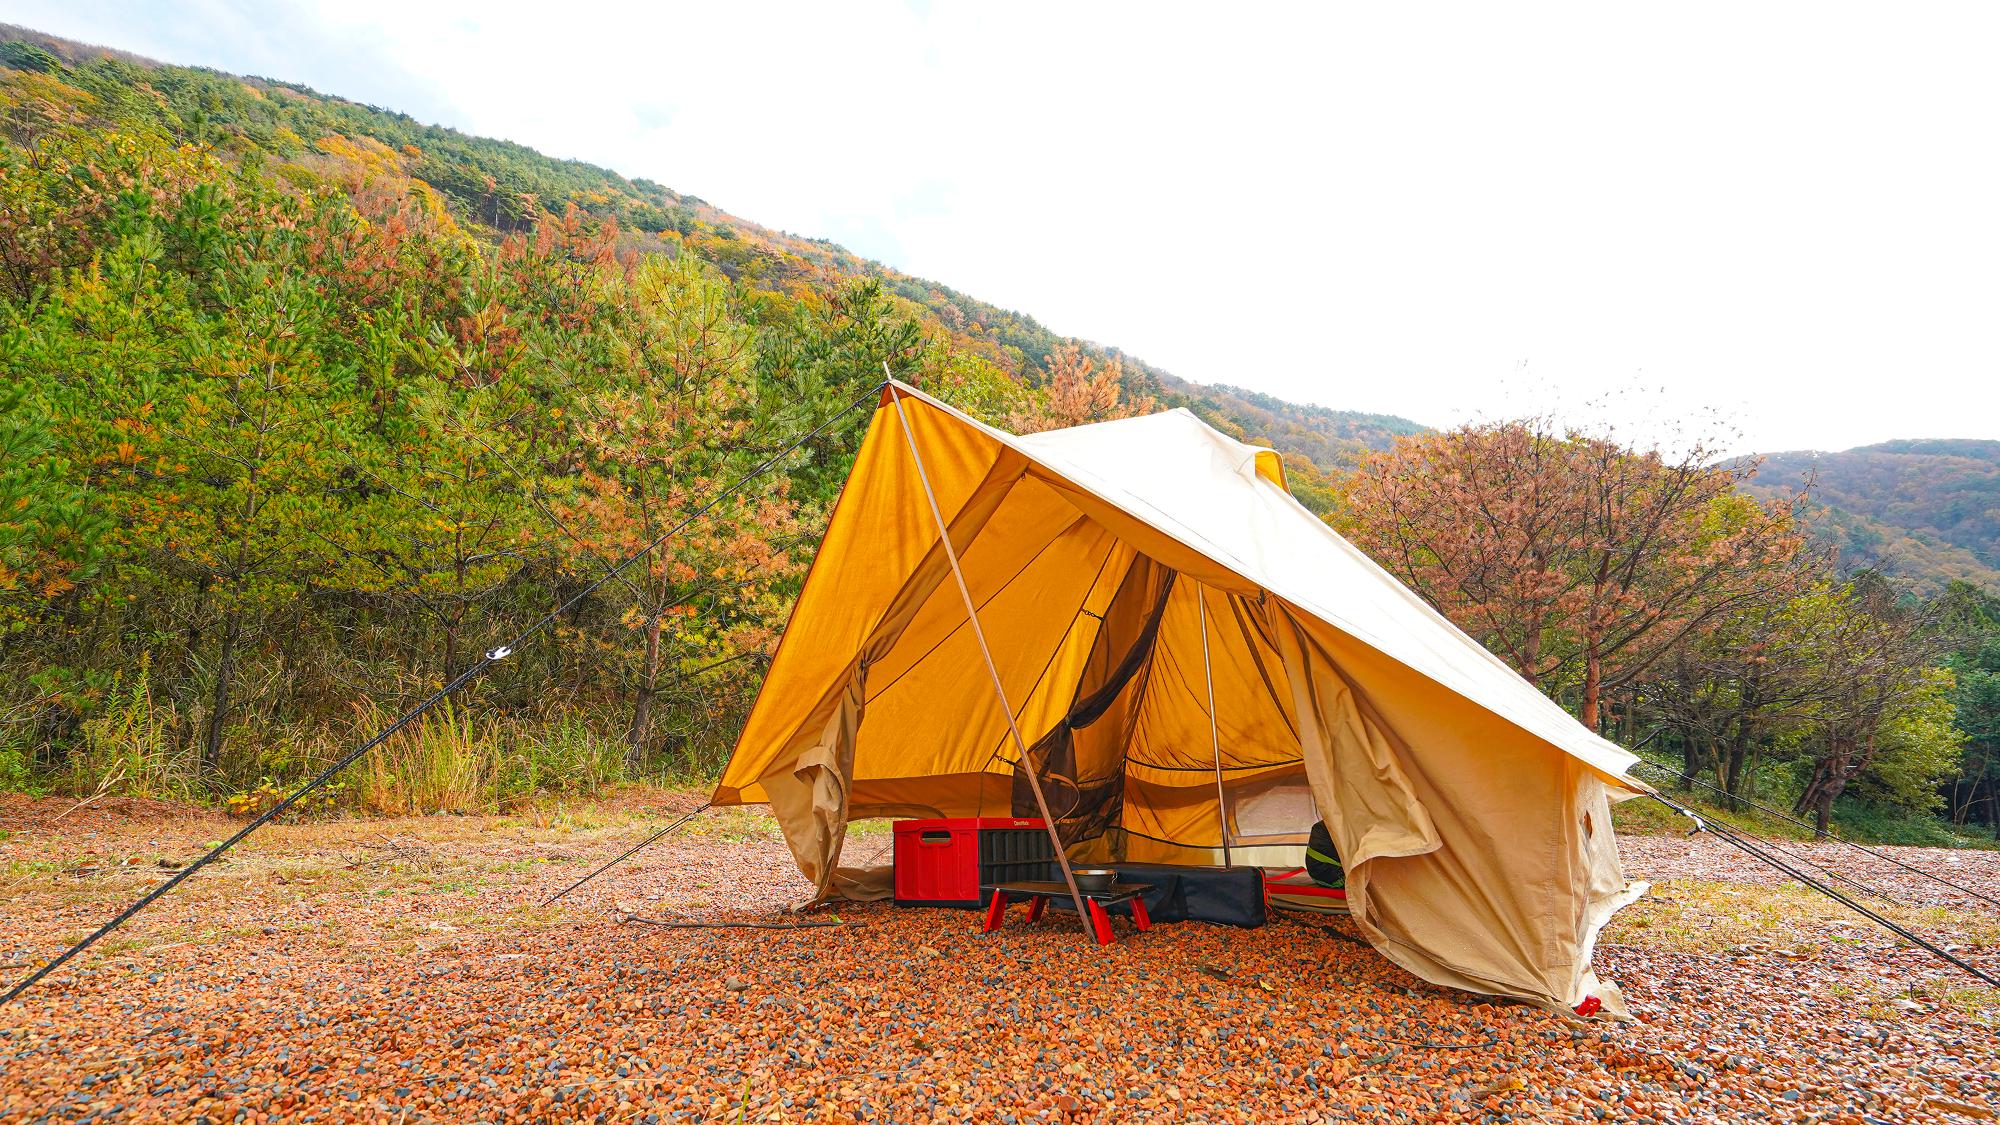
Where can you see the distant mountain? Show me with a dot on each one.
(1334, 439)
(1925, 510)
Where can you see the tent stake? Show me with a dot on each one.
(1214, 736)
(972, 615)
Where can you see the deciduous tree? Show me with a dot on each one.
(1580, 561)
(670, 429)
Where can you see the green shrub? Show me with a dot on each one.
(16, 773)
(563, 756)
(131, 748)
(1871, 822)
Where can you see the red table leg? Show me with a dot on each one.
(1035, 907)
(996, 912)
(1141, 921)
(1099, 920)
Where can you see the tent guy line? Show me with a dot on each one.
(1819, 865)
(979, 634)
(627, 853)
(1736, 840)
(478, 668)
(1678, 775)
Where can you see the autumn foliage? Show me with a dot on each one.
(1079, 391)
(303, 405)
(1576, 559)
(1668, 606)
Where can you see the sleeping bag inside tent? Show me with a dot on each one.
(1121, 573)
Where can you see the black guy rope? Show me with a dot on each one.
(1730, 837)
(489, 659)
(627, 854)
(1802, 857)
(812, 924)
(1815, 828)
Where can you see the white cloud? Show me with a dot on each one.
(1782, 212)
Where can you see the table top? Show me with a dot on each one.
(1118, 892)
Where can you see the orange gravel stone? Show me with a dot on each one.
(404, 971)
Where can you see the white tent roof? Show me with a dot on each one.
(1222, 507)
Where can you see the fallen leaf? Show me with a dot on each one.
(1499, 1086)
(1965, 1108)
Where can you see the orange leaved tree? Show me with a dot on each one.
(1577, 559)
(1078, 392)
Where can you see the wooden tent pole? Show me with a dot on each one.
(1214, 736)
(972, 615)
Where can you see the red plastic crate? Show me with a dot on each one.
(942, 862)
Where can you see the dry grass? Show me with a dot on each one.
(1717, 914)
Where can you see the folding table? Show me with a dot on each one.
(1038, 893)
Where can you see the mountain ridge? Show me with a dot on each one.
(1924, 510)
(503, 187)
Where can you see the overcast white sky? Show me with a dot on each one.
(1787, 213)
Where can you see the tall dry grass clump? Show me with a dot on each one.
(455, 760)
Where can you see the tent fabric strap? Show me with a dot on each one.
(1214, 732)
(1053, 756)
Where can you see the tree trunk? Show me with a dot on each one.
(191, 642)
(1593, 685)
(1531, 651)
(1827, 782)
(190, 655)
(1736, 757)
(1993, 802)
(642, 708)
(225, 666)
(457, 623)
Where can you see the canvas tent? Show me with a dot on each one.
(1121, 573)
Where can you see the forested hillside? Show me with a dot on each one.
(493, 188)
(1925, 512)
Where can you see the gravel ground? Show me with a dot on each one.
(404, 971)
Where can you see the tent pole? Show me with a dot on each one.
(1026, 764)
(1214, 736)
